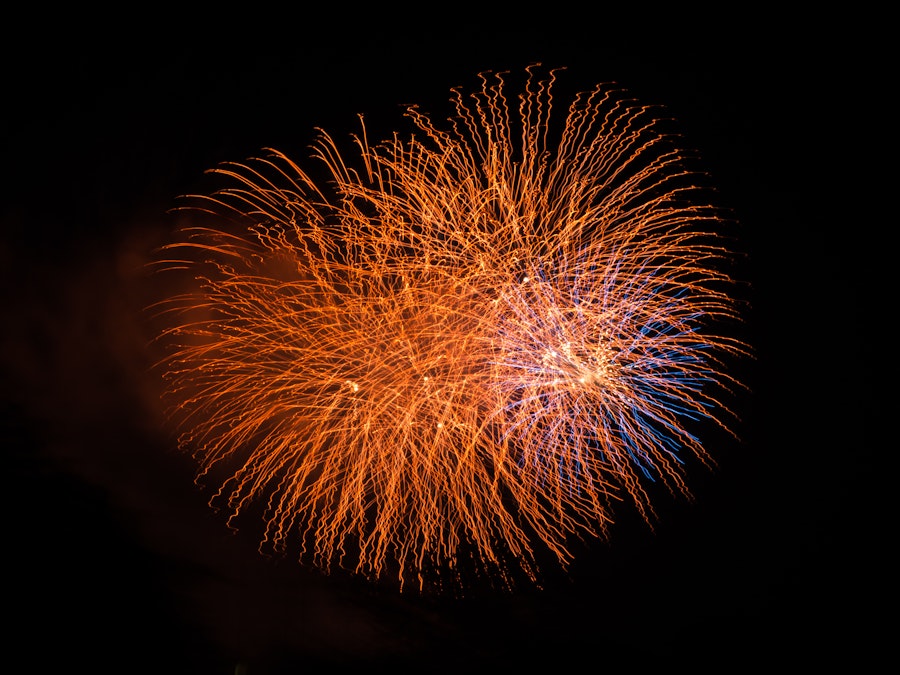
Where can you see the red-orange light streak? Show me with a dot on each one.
(474, 339)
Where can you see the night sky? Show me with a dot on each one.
(115, 563)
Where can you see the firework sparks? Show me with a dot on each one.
(472, 342)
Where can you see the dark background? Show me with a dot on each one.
(115, 563)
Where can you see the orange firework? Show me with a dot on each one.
(470, 343)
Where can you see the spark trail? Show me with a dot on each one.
(471, 341)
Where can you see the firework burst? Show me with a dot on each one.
(470, 341)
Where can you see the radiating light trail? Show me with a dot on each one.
(471, 341)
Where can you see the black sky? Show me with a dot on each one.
(114, 561)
